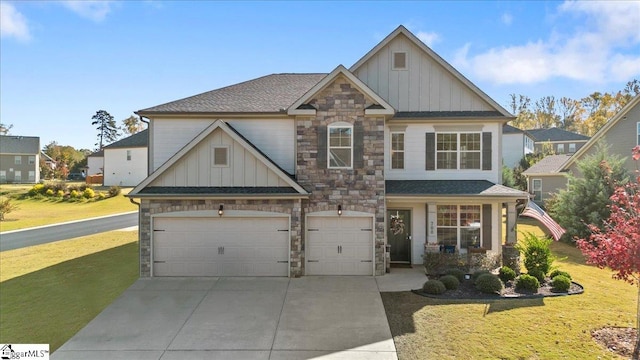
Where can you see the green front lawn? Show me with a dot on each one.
(549, 328)
(33, 212)
(49, 292)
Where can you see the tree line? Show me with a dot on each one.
(583, 116)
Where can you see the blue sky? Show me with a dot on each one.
(61, 61)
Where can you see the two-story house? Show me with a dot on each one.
(561, 141)
(516, 144)
(313, 174)
(19, 159)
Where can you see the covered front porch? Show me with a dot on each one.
(455, 217)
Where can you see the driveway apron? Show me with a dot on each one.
(239, 318)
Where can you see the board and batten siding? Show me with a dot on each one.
(415, 155)
(424, 86)
(196, 169)
(274, 137)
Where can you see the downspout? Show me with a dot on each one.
(148, 142)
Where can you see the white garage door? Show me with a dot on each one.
(221, 246)
(339, 246)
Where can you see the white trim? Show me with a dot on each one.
(326, 81)
(339, 125)
(392, 151)
(458, 150)
(533, 188)
(458, 225)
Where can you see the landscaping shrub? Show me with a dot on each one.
(50, 192)
(560, 283)
(527, 282)
(74, 194)
(450, 282)
(489, 284)
(539, 275)
(457, 273)
(434, 287)
(114, 191)
(537, 254)
(506, 274)
(6, 206)
(101, 196)
(60, 193)
(88, 193)
(556, 272)
(37, 189)
(479, 273)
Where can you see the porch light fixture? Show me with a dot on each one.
(339, 210)
(221, 210)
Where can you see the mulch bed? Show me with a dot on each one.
(616, 339)
(467, 290)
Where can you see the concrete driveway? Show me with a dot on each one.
(239, 318)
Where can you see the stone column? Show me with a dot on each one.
(511, 255)
(512, 229)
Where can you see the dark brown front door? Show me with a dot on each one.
(399, 235)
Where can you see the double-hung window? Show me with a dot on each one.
(459, 225)
(17, 160)
(458, 150)
(560, 149)
(397, 150)
(128, 155)
(32, 160)
(536, 189)
(340, 149)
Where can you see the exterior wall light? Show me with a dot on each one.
(339, 210)
(221, 210)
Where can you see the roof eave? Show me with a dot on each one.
(211, 114)
(170, 196)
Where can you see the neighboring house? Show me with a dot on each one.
(621, 133)
(516, 144)
(19, 159)
(562, 141)
(95, 163)
(48, 161)
(547, 177)
(313, 174)
(126, 160)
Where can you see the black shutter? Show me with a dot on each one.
(486, 226)
(486, 151)
(426, 221)
(321, 157)
(358, 146)
(430, 146)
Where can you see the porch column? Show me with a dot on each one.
(510, 254)
(512, 230)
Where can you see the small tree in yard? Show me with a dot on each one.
(6, 206)
(617, 244)
(587, 198)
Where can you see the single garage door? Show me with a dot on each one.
(339, 246)
(221, 246)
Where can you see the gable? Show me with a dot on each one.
(428, 84)
(197, 168)
(198, 165)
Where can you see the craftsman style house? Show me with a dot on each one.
(313, 174)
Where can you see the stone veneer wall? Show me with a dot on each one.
(153, 207)
(358, 189)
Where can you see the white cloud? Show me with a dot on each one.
(91, 9)
(428, 38)
(506, 19)
(595, 50)
(13, 23)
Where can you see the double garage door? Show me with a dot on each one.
(339, 245)
(221, 246)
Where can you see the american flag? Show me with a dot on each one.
(534, 211)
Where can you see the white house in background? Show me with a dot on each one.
(125, 161)
(95, 163)
(516, 144)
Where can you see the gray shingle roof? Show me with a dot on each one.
(140, 139)
(270, 93)
(12, 144)
(548, 164)
(99, 153)
(450, 187)
(217, 190)
(508, 129)
(555, 134)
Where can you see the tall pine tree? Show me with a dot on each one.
(108, 131)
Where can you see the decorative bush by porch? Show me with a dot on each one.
(489, 284)
(459, 274)
(434, 287)
(450, 282)
(506, 274)
(527, 282)
(440, 263)
(557, 272)
(560, 283)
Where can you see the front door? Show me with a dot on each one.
(399, 235)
